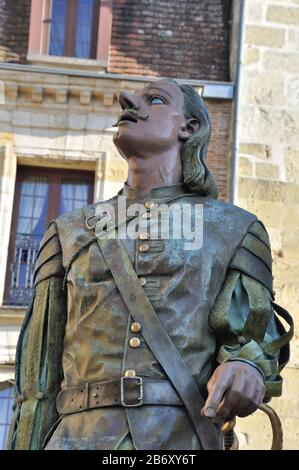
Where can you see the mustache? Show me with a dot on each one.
(133, 112)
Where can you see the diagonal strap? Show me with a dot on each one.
(157, 338)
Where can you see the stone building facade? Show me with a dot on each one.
(268, 176)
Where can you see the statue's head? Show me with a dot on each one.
(164, 116)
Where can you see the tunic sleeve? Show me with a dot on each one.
(39, 351)
(243, 318)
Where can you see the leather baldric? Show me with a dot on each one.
(156, 336)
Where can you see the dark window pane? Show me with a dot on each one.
(31, 226)
(84, 28)
(74, 194)
(33, 205)
(6, 402)
(57, 27)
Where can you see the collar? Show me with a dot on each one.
(163, 192)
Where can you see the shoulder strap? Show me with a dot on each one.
(156, 337)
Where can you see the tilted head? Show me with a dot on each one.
(164, 117)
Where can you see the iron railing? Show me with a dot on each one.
(22, 269)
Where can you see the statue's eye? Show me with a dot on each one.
(156, 100)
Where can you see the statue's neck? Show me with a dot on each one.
(146, 174)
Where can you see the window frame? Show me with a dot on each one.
(6, 385)
(55, 175)
(39, 35)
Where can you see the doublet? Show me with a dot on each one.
(202, 296)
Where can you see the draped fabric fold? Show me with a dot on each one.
(246, 328)
(38, 368)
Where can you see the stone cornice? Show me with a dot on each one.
(60, 84)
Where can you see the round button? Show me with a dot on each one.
(134, 342)
(130, 373)
(146, 215)
(241, 340)
(142, 281)
(135, 327)
(149, 204)
(144, 236)
(144, 247)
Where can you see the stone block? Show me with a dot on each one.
(290, 293)
(74, 141)
(288, 62)
(37, 94)
(287, 404)
(270, 213)
(58, 120)
(268, 125)
(291, 160)
(290, 241)
(293, 40)
(256, 150)
(276, 126)
(251, 55)
(262, 190)
(5, 116)
(265, 36)
(61, 95)
(39, 120)
(77, 121)
(292, 193)
(267, 171)
(85, 97)
(294, 356)
(92, 142)
(254, 431)
(275, 238)
(263, 88)
(292, 91)
(283, 14)
(21, 118)
(254, 12)
(96, 122)
(245, 167)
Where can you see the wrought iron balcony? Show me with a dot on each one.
(22, 269)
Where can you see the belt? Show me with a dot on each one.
(127, 392)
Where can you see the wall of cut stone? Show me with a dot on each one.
(172, 38)
(14, 30)
(175, 38)
(268, 183)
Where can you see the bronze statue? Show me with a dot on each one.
(142, 343)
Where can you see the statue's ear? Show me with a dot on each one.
(188, 128)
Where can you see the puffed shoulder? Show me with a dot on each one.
(253, 256)
(49, 258)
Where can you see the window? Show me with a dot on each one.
(74, 28)
(6, 402)
(41, 195)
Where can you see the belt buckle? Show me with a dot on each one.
(139, 383)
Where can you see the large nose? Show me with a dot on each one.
(128, 100)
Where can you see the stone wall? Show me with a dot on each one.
(269, 176)
(175, 38)
(171, 38)
(14, 30)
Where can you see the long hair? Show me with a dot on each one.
(197, 175)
